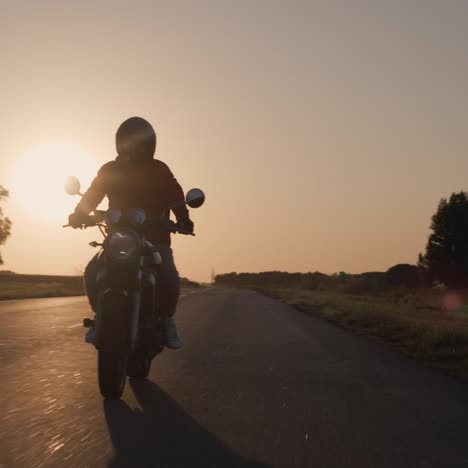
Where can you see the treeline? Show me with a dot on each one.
(186, 283)
(397, 276)
(444, 262)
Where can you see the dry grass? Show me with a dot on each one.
(411, 321)
(13, 286)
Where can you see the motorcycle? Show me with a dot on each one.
(128, 328)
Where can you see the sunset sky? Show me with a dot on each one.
(324, 133)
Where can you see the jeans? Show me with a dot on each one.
(168, 284)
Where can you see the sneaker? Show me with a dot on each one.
(173, 340)
(89, 337)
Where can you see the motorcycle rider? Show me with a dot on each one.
(136, 180)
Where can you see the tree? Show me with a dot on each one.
(446, 256)
(403, 275)
(5, 223)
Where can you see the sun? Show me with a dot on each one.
(38, 177)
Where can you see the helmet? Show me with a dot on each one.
(135, 140)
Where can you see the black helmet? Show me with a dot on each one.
(135, 140)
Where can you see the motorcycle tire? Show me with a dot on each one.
(112, 372)
(139, 368)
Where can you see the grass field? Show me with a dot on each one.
(15, 286)
(426, 325)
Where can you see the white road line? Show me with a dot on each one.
(182, 295)
(76, 326)
(189, 293)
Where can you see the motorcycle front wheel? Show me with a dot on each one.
(112, 373)
(139, 367)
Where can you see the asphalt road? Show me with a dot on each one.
(257, 384)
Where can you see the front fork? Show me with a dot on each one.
(117, 314)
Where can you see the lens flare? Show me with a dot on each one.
(451, 301)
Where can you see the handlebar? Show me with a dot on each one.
(173, 227)
(91, 220)
(97, 219)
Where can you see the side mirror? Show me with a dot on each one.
(195, 198)
(72, 186)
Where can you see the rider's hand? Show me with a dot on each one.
(186, 225)
(75, 220)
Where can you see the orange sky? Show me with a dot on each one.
(323, 133)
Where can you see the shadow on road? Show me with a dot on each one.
(164, 435)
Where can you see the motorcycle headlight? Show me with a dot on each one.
(123, 246)
(136, 216)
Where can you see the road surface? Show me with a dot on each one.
(257, 384)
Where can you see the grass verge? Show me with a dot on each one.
(15, 286)
(433, 336)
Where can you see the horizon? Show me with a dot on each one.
(324, 134)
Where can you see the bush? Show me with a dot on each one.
(403, 275)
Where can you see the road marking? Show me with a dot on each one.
(75, 326)
(182, 295)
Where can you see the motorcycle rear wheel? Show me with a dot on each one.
(112, 372)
